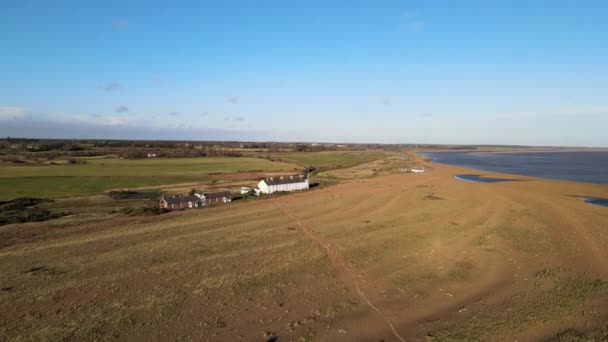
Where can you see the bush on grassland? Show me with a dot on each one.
(21, 210)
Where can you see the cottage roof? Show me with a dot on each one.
(284, 179)
(181, 199)
(220, 194)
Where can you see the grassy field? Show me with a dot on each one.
(99, 175)
(188, 264)
(439, 259)
(328, 160)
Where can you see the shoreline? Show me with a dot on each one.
(521, 150)
(433, 162)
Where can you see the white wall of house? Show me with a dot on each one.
(269, 189)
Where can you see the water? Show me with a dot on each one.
(597, 201)
(482, 179)
(573, 166)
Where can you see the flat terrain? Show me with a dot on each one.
(101, 174)
(329, 160)
(392, 257)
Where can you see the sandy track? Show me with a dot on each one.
(345, 272)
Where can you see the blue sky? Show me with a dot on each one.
(472, 72)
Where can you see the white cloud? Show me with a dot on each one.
(12, 113)
(234, 118)
(115, 121)
(89, 119)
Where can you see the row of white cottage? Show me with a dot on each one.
(270, 185)
(265, 186)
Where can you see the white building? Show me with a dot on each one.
(283, 183)
(417, 170)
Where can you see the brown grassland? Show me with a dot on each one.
(378, 257)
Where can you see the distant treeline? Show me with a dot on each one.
(52, 148)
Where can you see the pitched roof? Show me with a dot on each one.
(284, 179)
(220, 194)
(181, 199)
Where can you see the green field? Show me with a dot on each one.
(99, 175)
(329, 159)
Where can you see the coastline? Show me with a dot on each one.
(432, 161)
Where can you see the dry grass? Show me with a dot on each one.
(487, 262)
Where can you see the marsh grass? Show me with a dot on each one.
(461, 271)
(525, 240)
(522, 310)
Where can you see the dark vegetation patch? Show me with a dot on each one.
(549, 273)
(22, 203)
(432, 197)
(571, 335)
(461, 271)
(135, 194)
(147, 210)
(76, 161)
(23, 210)
(43, 270)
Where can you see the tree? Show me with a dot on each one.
(192, 192)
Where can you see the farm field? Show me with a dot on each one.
(102, 174)
(396, 258)
(331, 159)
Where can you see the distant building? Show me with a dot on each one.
(417, 170)
(178, 202)
(217, 197)
(201, 197)
(245, 190)
(151, 155)
(283, 183)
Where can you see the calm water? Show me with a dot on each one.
(573, 166)
(482, 179)
(597, 201)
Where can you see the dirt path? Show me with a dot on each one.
(344, 272)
